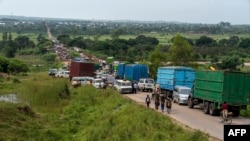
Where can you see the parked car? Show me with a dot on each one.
(146, 84)
(98, 83)
(180, 94)
(62, 73)
(123, 86)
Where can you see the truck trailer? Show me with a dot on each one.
(81, 69)
(171, 76)
(134, 72)
(212, 88)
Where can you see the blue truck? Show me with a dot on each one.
(120, 70)
(170, 76)
(132, 72)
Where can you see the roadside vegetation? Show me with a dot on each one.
(55, 111)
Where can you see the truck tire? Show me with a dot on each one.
(206, 108)
(190, 103)
(212, 111)
(236, 113)
(178, 102)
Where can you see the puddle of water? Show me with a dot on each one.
(9, 98)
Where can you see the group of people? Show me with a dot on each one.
(160, 101)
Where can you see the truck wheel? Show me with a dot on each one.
(190, 103)
(236, 113)
(206, 108)
(212, 111)
(178, 102)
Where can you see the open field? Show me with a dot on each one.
(164, 38)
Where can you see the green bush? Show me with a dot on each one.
(245, 113)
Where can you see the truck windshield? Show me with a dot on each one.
(126, 84)
(150, 81)
(185, 91)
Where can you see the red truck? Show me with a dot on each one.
(81, 69)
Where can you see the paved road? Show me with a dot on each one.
(194, 118)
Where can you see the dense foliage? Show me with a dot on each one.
(12, 66)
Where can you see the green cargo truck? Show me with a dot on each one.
(212, 88)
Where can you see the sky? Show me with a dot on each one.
(187, 11)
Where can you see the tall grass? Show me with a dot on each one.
(44, 93)
(105, 115)
(83, 114)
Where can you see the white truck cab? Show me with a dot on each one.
(146, 84)
(123, 86)
(62, 74)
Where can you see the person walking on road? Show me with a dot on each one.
(135, 87)
(148, 100)
(157, 102)
(162, 103)
(169, 104)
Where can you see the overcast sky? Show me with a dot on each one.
(189, 11)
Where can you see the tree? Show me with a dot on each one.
(156, 59)
(5, 35)
(16, 66)
(205, 41)
(64, 39)
(231, 63)
(49, 57)
(244, 43)
(115, 35)
(78, 42)
(233, 40)
(181, 52)
(23, 42)
(40, 38)
(4, 62)
(97, 37)
(9, 51)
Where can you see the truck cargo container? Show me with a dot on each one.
(120, 70)
(171, 76)
(81, 69)
(212, 88)
(134, 72)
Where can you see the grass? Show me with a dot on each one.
(85, 114)
(246, 112)
(164, 39)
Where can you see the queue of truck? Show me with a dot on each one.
(208, 89)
